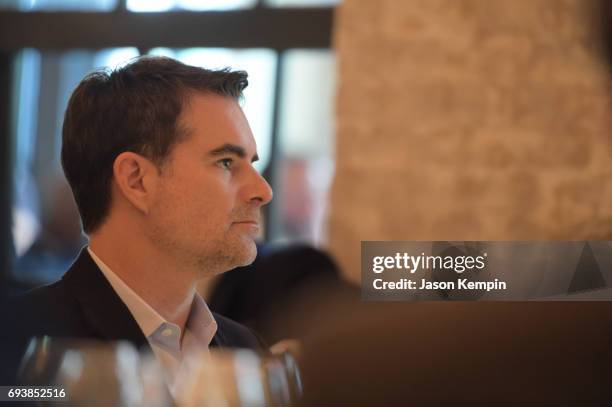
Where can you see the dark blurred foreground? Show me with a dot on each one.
(460, 353)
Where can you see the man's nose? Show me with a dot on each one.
(259, 190)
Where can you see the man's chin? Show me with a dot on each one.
(248, 253)
(241, 254)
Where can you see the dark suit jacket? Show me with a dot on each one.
(84, 305)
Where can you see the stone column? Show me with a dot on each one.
(469, 120)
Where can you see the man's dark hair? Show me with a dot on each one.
(133, 108)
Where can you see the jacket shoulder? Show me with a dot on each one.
(47, 310)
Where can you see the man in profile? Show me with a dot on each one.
(159, 158)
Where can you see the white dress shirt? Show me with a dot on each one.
(165, 337)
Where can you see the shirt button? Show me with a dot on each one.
(167, 332)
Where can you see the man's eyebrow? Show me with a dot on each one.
(232, 149)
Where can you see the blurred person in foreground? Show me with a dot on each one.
(159, 158)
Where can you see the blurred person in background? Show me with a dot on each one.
(159, 158)
(58, 242)
(270, 294)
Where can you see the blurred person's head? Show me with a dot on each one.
(61, 230)
(297, 208)
(161, 151)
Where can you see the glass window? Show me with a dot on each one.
(26, 225)
(306, 146)
(302, 3)
(59, 5)
(46, 226)
(192, 5)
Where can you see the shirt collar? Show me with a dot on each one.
(200, 323)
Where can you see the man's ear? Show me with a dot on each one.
(136, 179)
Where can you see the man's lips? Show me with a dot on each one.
(250, 226)
(248, 221)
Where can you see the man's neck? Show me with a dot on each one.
(154, 277)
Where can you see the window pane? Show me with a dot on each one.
(26, 225)
(194, 5)
(258, 100)
(46, 226)
(218, 5)
(306, 141)
(58, 5)
(302, 3)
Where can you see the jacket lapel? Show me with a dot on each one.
(108, 316)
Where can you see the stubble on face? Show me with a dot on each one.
(204, 243)
(203, 213)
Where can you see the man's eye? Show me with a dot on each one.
(226, 163)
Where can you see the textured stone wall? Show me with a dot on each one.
(469, 120)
